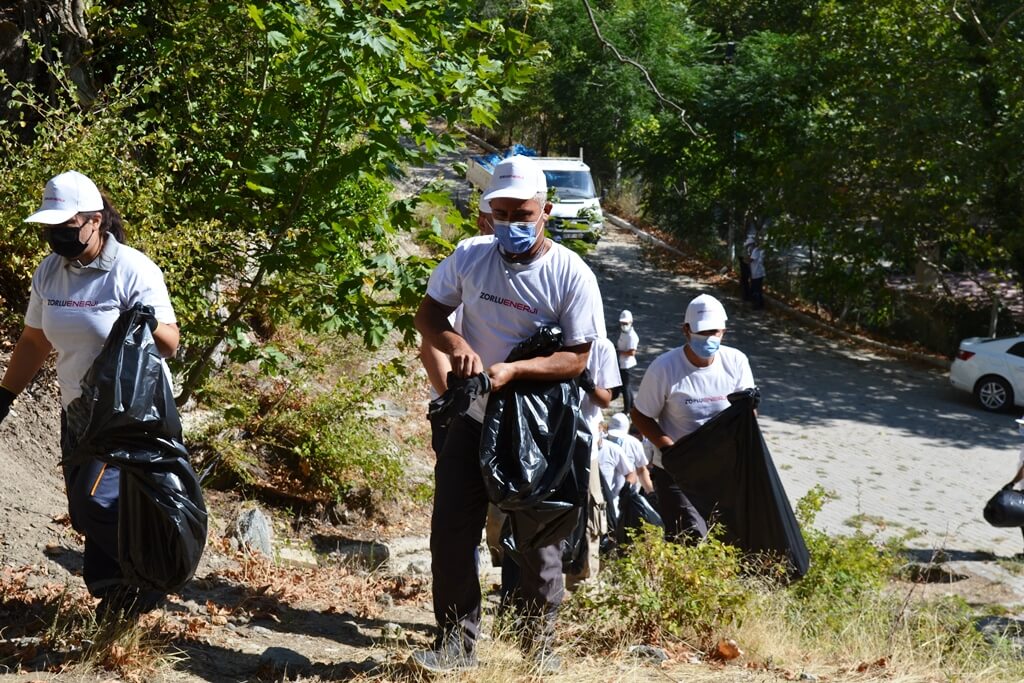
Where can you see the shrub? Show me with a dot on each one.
(663, 590)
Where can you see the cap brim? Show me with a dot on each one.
(618, 432)
(709, 324)
(51, 216)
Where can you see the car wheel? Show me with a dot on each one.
(993, 393)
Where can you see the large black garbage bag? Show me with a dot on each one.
(126, 417)
(535, 452)
(634, 510)
(727, 461)
(1006, 508)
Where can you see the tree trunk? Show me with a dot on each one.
(58, 27)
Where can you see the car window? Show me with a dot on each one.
(1016, 350)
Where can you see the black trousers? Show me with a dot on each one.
(93, 489)
(745, 280)
(757, 292)
(460, 511)
(684, 516)
(627, 392)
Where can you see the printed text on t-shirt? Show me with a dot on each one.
(501, 301)
(705, 399)
(70, 302)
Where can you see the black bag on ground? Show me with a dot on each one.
(727, 461)
(126, 417)
(535, 452)
(1006, 508)
(634, 510)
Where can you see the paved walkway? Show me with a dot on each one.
(897, 444)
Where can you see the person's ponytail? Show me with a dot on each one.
(111, 220)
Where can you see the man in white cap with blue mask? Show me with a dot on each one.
(681, 390)
(509, 285)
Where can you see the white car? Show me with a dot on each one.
(991, 369)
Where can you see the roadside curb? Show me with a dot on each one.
(774, 303)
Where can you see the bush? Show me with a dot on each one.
(663, 590)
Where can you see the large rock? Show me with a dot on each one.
(253, 529)
(282, 662)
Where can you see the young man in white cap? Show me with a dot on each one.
(681, 390)
(627, 345)
(509, 285)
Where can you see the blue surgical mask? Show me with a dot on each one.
(703, 345)
(517, 237)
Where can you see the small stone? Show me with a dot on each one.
(297, 557)
(385, 600)
(655, 654)
(365, 554)
(392, 631)
(261, 631)
(416, 569)
(285, 661)
(218, 620)
(808, 677)
(252, 529)
(53, 549)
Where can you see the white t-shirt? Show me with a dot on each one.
(615, 467)
(505, 303)
(681, 397)
(631, 445)
(756, 263)
(605, 373)
(76, 306)
(628, 341)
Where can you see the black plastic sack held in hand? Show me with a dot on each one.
(1006, 508)
(727, 461)
(634, 510)
(535, 451)
(126, 417)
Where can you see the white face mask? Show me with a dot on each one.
(625, 326)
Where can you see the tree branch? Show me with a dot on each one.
(640, 67)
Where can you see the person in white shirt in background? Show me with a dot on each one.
(597, 385)
(618, 432)
(757, 272)
(616, 468)
(681, 390)
(627, 345)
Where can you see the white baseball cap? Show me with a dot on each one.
(625, 317)
(618, 425)
(705, 313)
(517, 177)
(66, 195)
(484, 206)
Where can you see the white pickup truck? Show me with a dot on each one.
(576, 211)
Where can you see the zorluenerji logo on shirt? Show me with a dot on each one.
(502, 301)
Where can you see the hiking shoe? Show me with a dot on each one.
(448, 655)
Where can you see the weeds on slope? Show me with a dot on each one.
(840, 620)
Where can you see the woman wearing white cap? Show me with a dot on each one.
(78, 292)
(627, 345)
(681, 390)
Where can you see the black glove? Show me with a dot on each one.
(6, 399)
(586, 381)
(1008, 486)
(151, 323)
(754, 394)
(651, 496)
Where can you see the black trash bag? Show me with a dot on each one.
(456, 401)
(535, 452)
(634, 510)
(576, 545)
(1006, 508)
(126, 417)
(727, 461)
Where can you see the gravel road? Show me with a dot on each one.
(894, 441)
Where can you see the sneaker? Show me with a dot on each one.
(448, 655)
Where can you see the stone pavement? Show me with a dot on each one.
(900, 448)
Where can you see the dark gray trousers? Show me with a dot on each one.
(460, 511)
(683, 515)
